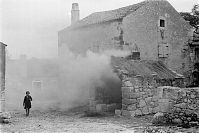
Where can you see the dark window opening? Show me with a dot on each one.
(197, 54)
(162, 23)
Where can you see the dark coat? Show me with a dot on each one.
(27, 102)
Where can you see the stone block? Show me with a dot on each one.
(126, 113)
(6, 121)
(132, 113)
(156, 109)
(127, 89)
(142, 103)
(128, 101)
(134, 95)
(193, 96)
(152, 104)
(125, 95)
(164, 105)
(124, 107)
(5, 115)
(127, 83)
(118, 112)
(148, 100)
(142, 93)
(158, 118)
(177, 121)
(180, 105)
(138, 112)
(155, 98)
(131, 107)
(192, 106)
(156, 103)
(101, 107)
(145, 110)
(150, 110)
(150, 93)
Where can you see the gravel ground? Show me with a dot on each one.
(72, 121)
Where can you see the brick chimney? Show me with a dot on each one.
(74, 13)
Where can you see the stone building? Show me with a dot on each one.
(139, 84)
(2, 75)
(154, 27)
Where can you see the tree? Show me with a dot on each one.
(193, 17)
(195, 10)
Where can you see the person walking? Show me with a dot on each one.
(27, 102)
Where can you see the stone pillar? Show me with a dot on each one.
(2, 76)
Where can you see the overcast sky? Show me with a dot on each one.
(30, 26)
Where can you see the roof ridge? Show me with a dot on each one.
(109, 15)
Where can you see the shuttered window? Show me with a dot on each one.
(163, 50)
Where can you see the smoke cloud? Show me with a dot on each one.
(78, 74)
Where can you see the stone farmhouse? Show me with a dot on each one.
(157, 37)
(152, 27)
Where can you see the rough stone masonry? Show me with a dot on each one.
(144, 97)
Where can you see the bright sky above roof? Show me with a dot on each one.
(30, 26)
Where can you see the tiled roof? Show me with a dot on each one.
(144, 68)
(105, 16)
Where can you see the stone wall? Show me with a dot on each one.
(139, 96)
(143, 97)
(94, 37)
(2, 76)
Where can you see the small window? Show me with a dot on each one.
(37, 85)
(162, 23)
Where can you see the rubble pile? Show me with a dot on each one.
(5, 117)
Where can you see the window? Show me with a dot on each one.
(37, 85)
(162, 23)
(197, 54)
(163, 50)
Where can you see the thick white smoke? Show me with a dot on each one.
(77, 75)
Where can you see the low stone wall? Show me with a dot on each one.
(142, 98)
(180, 99)
(139, 98)
(97, 106)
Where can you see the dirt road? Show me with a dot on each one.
(55, 121)
(75, 122)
